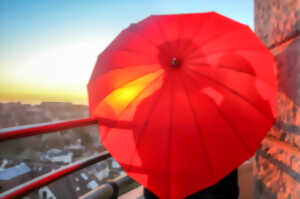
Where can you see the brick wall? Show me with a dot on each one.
(277, 162)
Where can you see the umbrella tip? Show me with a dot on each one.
(175, 62)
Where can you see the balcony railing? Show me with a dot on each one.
(107, 190)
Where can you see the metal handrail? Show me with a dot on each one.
(107, 190)
(44, 128)
(45, 179)
(37, 129)
(31, 130)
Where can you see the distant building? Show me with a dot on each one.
(15, 171)
(22, 160)
(46, 193)
(71, 186)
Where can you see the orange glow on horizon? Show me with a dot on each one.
(56, 74)
(35, 95)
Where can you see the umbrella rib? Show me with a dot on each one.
(170, 131)
(143, 37)
(160, 29)
(227, 50)
(163, 36)
(233, 92)
(198, 64)
(196, 32)
(122, 67)
(152, 82)
(229, 70)
(127, 82)
(179, 34)
(130, 66)
(128, 105)
(224, 67)
(212, 174)
(221, 67)
(218, 36)
(146, 39)
(154, 104)
(246, 146)
(130, 51)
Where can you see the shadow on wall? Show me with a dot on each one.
(288, 66)
(276, 169)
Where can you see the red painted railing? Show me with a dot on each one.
(13, 133)
(43, 180)
(24, 131)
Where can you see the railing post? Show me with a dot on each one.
(107, 190)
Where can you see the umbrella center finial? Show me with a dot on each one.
(175, 62)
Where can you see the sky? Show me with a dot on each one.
(48, 48)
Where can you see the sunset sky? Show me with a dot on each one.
(48, 48)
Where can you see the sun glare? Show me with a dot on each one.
(59, 73)
(67, 66)
(118, 100)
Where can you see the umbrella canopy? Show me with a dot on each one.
(189, 98)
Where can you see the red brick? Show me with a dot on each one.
(276, 20)
(277, 180)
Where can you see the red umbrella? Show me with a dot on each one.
(190, 98)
